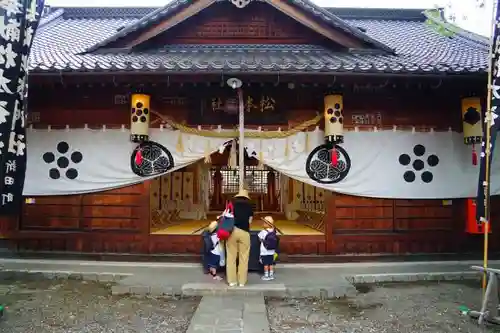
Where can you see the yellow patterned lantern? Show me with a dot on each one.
(334, 119)
(329, 163)
(472, 123)
(139, 118)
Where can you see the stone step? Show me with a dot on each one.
(240, 314)
(222, 289)
(338, 288)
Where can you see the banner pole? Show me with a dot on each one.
(241, 161)
(486, 222)
(489, 117)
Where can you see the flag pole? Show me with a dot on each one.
(241, 161)
(486, 222)
(236, 85)
(489, 118)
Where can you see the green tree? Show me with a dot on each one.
(472, 15)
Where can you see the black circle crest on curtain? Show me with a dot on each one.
(319, 166)
(150, 158)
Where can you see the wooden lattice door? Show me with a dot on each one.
(262, 184)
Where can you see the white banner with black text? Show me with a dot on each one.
(19, 22)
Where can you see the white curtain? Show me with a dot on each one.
(376, 170)
(78, 161)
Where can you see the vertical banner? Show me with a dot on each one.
(491, 120)
(18, 23)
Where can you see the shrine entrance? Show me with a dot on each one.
(263, 185)
(185, 201)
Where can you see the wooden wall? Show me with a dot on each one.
(365, 225)
(114, 210)
(117, 221)
(374, 226)
(223, 23)
(109, 221)
(95, 105)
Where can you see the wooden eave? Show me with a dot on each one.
(344, 38)
(170, 22)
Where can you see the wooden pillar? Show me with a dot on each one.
(291, 191)
(217, 194)
(145, 204)
(330, 215)
(271, 191)
(459, 235)
(197, 170)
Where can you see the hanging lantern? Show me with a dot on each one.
(334, 124)
(334, 119)
(472, 124)
(329, 163)
(139, 118)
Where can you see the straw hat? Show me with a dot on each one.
(269, 220)
(212, 226)
(243, 193)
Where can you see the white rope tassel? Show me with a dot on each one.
(208, 152)
(307, 144)
(180, 145)
(233, 163)
(287, 148)
(261, 165)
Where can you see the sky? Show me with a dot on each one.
(467, 13)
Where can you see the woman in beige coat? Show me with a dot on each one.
(238, 244)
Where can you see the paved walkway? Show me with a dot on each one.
(230, 315)
(240, 309)
(301, 280)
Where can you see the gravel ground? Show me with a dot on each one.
(396, 308)
(67, 306)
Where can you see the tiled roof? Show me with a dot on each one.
(66, 33)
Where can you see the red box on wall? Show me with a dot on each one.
(472, 226)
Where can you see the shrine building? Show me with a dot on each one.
(361, 129)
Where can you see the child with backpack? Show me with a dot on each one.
(268, 246)
(225, 222)
(215, 251)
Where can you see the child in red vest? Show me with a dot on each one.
(216, 253)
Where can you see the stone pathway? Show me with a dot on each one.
(242, 314)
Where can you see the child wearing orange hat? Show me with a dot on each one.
(268, 247)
